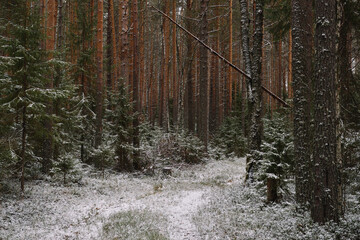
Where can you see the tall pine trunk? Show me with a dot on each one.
(135, 84)
(175, 83)
(302, 53)
(165, 84)
(203, 116)
(111, 49)
(50, 28)
(189, 106)
(141, 46)
(325, 206)
(230, 78)
(99, 81)
(290, 67)
(124, 40)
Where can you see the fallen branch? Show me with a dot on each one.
(220, 56)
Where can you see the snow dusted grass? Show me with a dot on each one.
(51, 210)
(240, 212)
(205, 201)
(133, 225)
(119, 206)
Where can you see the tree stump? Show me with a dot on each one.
(167, 171)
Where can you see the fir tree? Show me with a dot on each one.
(277, 150)
(120, 119)
(23, 76)
(24, 83)
(81, 50)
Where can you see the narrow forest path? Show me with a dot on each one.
(179, 198)
(73, 212)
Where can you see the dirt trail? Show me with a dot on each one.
(179, 198)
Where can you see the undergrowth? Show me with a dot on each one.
(134, 225)
(241, 212)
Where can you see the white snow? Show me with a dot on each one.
(50, 210)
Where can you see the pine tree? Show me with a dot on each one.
(348, 81)
(120, 119)
(166, 76)
(302, 18)
(203, 127)
(50, 31)
(230, 78)
(135, 84)
(175, 84)
(24, 81)
(83, 71)
(276, 154)
(111, 49)
(253, 67)
(325, 205)
(189, 108)
(99, 81)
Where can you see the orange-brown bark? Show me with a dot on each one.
(165, 85)
(130, 58)
(113, 46)
(119, 40)
(273, 75)
(152, 86)
(279, 68)
(142, 86)
(230, 78)
(289, 84)
(124, 56)
(99, 82)
(174, 69)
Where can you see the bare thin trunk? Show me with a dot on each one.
(253, 68)
(290, 92)
(204, 80)
(189, 109)
(135, 82)
(174, 69)
(99, 82)
(230, 81)
(23, 148)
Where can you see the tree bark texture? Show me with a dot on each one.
(135, 84)
(124, 40)
(256, 124)
(230, 78)
(325, 206)
(165, 85)
(175, 84)
(48, 143)
(141, 43)
(189, 108)
(203, 77)
(302, 37)
(253, 67)
(290, 67)
(111, 48)
(344, 51)
(99, 81)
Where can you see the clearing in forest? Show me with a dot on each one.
(119, 206)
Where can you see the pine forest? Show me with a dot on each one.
(180, 119)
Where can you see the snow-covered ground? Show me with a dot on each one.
(119, 206)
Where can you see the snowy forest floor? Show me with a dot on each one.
(119, 206)
(204, 201)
